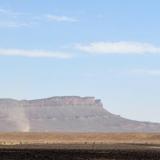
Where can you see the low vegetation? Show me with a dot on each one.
(79, 138)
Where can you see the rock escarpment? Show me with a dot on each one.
(65, 114)
(64, 101)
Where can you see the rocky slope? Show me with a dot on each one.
(65, 114)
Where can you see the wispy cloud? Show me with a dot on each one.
(135, 72)
(13, 24)
(52, 17)
(122, 47)
(132, 72)
(4, 11)
(8, 12)
(147, 72)
(34, 53)
(13, 19)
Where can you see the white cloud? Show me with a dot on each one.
(34, 53)
(136, 72)
(13, 19)
(13, 24)
(51, 17)
(9, 12)
(4, 11)
(148, 72)
(122, 47)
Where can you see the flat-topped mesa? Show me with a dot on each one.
(65, 114)
(66, 100)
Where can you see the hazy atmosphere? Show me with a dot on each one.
(109, 49)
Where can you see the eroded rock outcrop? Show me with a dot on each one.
(65, 114)
(65, 100)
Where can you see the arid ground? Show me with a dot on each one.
(79, 146)
(79, 138)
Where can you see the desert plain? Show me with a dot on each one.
(79, 146)
(56, 139)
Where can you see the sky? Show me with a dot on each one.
(109, 49)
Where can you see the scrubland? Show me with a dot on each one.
(79, 138)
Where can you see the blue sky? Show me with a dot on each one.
(109, 49)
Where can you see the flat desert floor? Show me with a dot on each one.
(79, 138)
(79, 146)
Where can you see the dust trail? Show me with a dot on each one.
(18, 115)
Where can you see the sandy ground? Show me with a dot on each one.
(79, 146)
(79, 138)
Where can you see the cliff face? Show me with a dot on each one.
(65, 114)
(65, 100)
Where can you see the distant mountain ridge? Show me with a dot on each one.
(65, 114)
